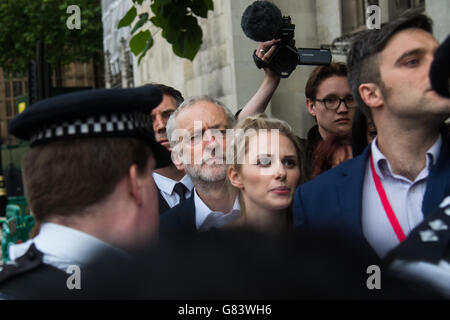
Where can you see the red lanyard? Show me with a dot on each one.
(387, 206)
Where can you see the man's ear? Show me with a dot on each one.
(135, 184)
(235, 178)
(371, 95)
(311, 107)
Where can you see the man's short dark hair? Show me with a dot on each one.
(65, 178)
(172, 92)
(362, 60)
(320, 73)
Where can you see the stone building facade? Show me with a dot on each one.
(224, 68)
(118, 60)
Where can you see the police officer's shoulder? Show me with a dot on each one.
(29, 261)
(429, 241)
(27, 276)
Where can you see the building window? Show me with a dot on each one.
(7, 90)
(9, 111)
(397, 7)
(17, 88)
(354, 14)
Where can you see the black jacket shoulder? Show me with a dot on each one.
(28, 277)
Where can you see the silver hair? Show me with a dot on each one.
(171, 123)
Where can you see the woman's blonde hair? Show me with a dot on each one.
(240, 143)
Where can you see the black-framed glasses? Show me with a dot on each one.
(333, 103)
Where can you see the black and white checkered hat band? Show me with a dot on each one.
(102, 125)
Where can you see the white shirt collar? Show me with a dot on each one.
(186, 180)
(166, 184)
(63, 246)
(202, 212)
(382, 165)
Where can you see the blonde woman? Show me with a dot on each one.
(265, 172)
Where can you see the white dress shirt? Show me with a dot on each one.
(166, 186)
(63, 246)
(205, 218)
(405, 198)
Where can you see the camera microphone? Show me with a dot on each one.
(261, 21)
(440, 70)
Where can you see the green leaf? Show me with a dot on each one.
(147, 47)
(200, 9)
(155, 7)
(143, 18)
(189, 41)
(156, 21)
(128, 18)
(47, 21)
(171, 34)
(173, 27)
(209, 4)
(138, 42)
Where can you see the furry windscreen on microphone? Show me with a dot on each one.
(440, 70)
(261, 21)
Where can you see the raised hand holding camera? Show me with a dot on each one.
(263, 21)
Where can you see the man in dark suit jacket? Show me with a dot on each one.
(180, 218)
(197, 135)
(377, 198)
(342, 209)
(173, 185)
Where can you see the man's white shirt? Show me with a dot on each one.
(405, 198)
(205, 218)
(63, 246)
(166, 187)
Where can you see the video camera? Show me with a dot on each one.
(262, 21)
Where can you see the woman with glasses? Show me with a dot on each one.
(333, 106)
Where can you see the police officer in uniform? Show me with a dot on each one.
(424, 257)
(88, 180)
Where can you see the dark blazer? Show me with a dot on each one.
(333, 200)
(179, 219)
(24, 279)
(163, 205)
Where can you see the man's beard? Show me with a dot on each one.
(206, 173)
